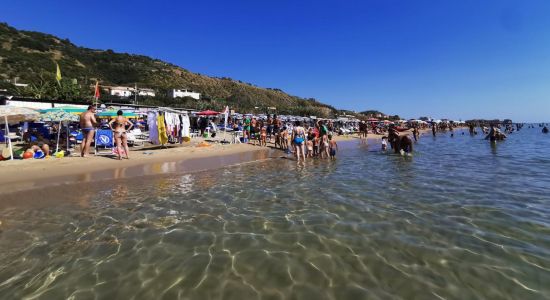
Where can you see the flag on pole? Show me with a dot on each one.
(58, 73)
(96, 93)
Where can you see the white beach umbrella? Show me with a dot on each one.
(12, 114)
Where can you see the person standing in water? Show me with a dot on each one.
(87, 125)
(434, 128)
(333, 147)
(119, 130)
(415, 133)
(298, 139)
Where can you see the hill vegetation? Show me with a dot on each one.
(31, 57)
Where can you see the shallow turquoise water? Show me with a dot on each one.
(461, 219)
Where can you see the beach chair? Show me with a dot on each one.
(104, 140)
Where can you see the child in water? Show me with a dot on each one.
(309, 145)
(384, 143)
(333, 146)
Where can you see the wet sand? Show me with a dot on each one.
(21, 175)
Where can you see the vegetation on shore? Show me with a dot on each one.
(30, 57)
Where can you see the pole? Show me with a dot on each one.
(8, 136)
(58, 136)
(68, 138)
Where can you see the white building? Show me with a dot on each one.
(146, 92)
(121, 91)
(125, 91)
(183, 93)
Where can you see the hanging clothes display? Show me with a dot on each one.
(185, 126)
(153, 128)
(163, 137)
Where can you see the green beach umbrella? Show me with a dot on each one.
(113, 113)
(68, 109)
(59, 115)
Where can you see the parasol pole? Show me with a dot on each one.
(68, 134)
(58, 136)
(8, 135)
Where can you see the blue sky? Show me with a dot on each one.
(458, 59)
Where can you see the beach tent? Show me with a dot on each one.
(208, 113)
(12, 114)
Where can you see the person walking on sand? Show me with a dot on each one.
(119, 131)
(87, 125)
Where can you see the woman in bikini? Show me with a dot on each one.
(299, 139)
(119, 130)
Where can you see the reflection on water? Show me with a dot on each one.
(460, 219)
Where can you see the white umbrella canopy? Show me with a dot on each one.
(12, 114)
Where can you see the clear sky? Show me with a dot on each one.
(457, 59)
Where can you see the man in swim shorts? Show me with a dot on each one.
(87, 124)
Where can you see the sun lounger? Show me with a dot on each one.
(136, 137)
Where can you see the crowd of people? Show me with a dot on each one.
(306, 138)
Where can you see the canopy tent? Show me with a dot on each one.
(208, 113)
(12, 114)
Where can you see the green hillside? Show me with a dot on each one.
(31, 57)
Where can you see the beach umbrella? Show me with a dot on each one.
(12, 114)
(372, 120)
(59, 115)
(208, 113)
(113, 113)
(67, 109)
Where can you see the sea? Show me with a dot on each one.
(462, 218)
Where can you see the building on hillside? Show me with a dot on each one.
(180, 93)
(120, 91)
(146, 92)
(125, 91)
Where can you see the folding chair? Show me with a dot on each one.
(104, 140)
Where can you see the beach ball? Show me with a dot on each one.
(28, 154)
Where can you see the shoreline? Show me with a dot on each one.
(24, 175)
